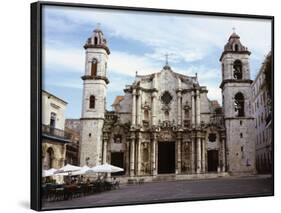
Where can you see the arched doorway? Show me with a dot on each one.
(49, 158)
(213, 160)
(166, 157)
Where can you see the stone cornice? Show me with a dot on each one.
(86, 46)
(235, 52)
(91, 118)
(140, 88)
(235, 81)
(89, 77)
(239, 118)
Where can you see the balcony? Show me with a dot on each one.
(217, 119)
(268, 119)
(55, 134)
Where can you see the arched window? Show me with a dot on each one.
(53, 120)
(96, 40)
(92, 102)
(186, 114)
(49, 158)
(166, 115)
(236, 48)
(239, 104)
(94, 67)
(146, 115)
(237, 66)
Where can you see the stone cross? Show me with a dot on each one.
(167, 58)
(98, 26)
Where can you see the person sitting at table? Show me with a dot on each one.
(72, 180)
(115, 183)
(88, 181)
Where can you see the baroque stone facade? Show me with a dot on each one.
(165, 123)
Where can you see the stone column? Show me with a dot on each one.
(198, 155)
(197, 108)
(132, 156)
(139, 156)
(63, 155)
(134, 108)
(223, 153)
(154, 95)
(139, 108)
(127, 159)
(153, 108)
(193, 154)
(178, 156)
(203, 155)
(192, 109)
(179, 108)
(104, 154)
(153, 156)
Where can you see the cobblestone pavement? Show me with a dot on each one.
(173, 190)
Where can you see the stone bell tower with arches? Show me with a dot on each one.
(94, 99)
(236, 92)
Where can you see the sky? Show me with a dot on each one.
(138, 41)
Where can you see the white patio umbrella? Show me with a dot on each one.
(62, 174)
(105, 168)
(68, 169)
(49, 172)
(82, 171)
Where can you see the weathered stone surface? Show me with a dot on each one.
(168, 107)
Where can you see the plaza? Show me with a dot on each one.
(164, 191)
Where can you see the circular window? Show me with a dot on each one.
(166, 97)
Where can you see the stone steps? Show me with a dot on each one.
(169, 177)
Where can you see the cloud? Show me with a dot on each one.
(187, 38)
(214, 93)
(191, 42)
(69, 59)
(128, 64)
(68, 84)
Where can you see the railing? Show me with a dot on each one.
(217, 119)
(51, 131)
(110, 116)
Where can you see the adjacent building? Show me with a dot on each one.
(262, 110)
(54, 138)
(72, 126)
(60, 137)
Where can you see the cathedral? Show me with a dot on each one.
(164, 123)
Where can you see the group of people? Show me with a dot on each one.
(100, 179)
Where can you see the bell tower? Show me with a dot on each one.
(236, 96)
(94, 99)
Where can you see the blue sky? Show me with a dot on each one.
(138, 42)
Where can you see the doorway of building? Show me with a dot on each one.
(166, 157)
(117, 159)
(213, 160)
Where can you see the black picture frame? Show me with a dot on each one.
(36, 89)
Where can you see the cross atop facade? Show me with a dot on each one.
(167, 58)
(98, 26)
(233, 28)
